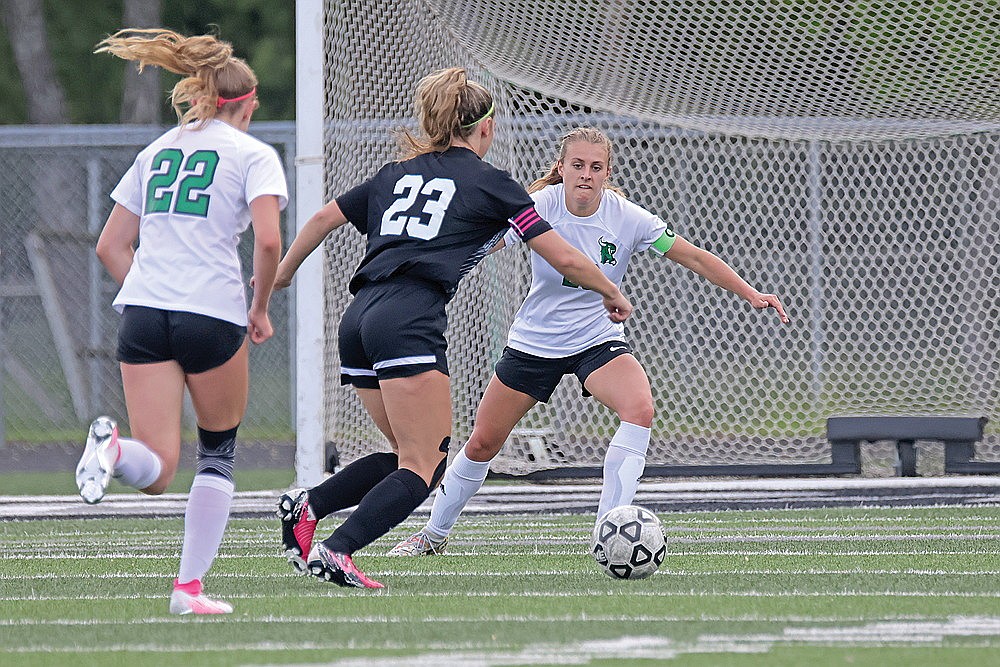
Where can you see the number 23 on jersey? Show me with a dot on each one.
(427, 225)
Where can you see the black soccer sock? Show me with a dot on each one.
(349, 486)
(386, 505)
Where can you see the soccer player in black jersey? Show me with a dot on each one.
(429, 218)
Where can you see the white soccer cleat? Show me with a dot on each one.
(188, 599)
(419, 544)
(98, 461)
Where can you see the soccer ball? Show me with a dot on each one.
(628, 543)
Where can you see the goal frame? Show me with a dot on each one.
(813, 144)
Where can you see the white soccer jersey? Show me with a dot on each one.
(192, 190)
(557, 318)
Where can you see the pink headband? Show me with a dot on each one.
(223, 100)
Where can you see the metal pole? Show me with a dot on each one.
(94, 276)
(59, 324)
(3, 365)
(310, 419)
(816, 271)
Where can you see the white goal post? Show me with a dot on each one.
(843, 155)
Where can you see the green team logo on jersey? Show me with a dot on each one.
(608, 251)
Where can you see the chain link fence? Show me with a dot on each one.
(57, 327)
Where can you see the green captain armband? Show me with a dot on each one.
(664, 243)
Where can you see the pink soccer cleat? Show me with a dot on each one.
(188, 599)
(338, 567)
(298, 525)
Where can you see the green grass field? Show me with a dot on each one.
(823, 587)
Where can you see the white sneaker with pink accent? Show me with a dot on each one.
(188, 599)
(93, 472)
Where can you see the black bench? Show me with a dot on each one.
(959, 435)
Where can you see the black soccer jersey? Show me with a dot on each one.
(435, 216)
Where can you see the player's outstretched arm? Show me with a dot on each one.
(308, 239)
(709, 266)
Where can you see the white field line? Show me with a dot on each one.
(671, 553)
(571, 549)
(891, 633)
(351, 645)
(723, 518)
(500, 618)
(468, 544)
(853, 554)
(511, 525)
(527, 498)
(540, 540)
(674, 549)
(779, 530)
(671, 521)
(474, 530)
(814, 484)
(663, 572)
(520, 539)
(870, 537)
(701, 486)
(596, 594)
(992, 532)
(662, 649)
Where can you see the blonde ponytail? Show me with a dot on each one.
(213, 76)
(448, 105)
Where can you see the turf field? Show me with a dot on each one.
(790, 587)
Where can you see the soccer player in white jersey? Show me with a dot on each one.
(558, 330)
(428, 218)
(186, 199)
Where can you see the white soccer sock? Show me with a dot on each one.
(461, 481)
(623, 466)
(138, 466)
(205, 521)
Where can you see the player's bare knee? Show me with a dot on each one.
(427, 463)
(640, 414)
(481, 450)
(160, 486)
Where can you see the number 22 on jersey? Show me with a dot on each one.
(395, 220)
(191, 176)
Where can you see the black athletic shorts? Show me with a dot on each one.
(393, 329)
(538, 376)
(198, 343)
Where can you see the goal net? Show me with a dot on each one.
(841, 155)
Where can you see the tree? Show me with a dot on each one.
(93, 87)
(142, 97)
(25, 24)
